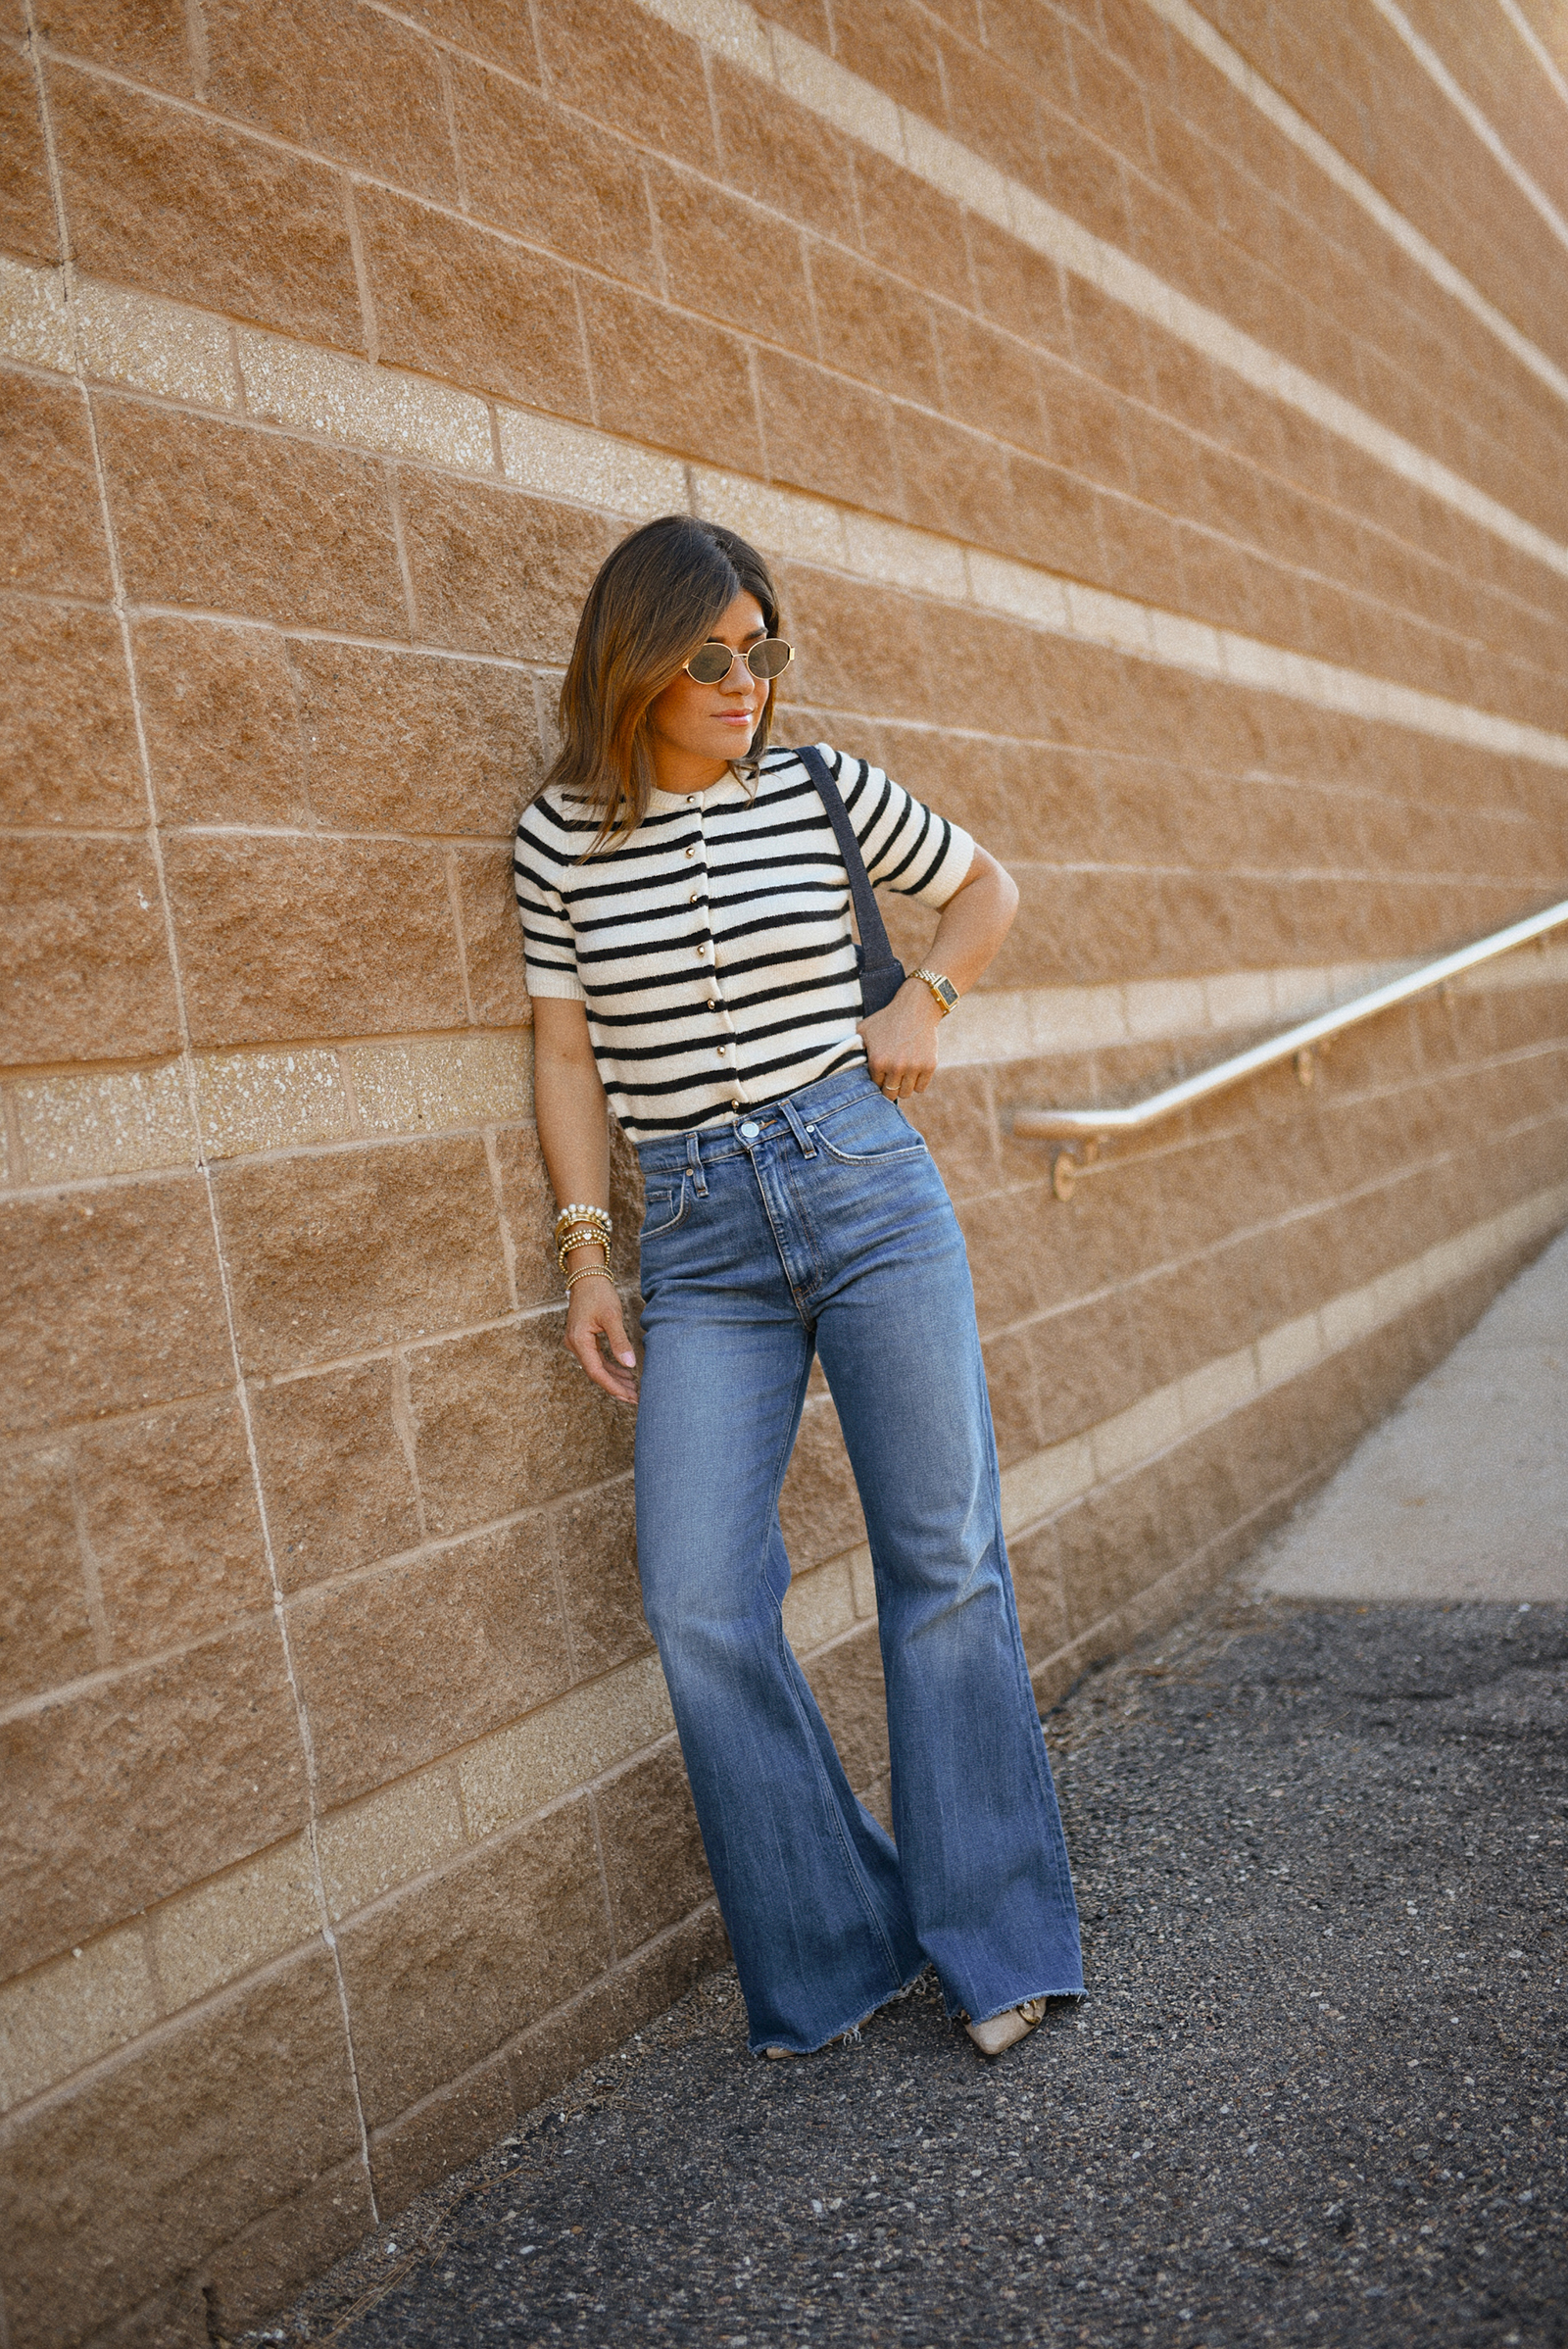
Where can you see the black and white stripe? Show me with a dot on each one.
(713, 949)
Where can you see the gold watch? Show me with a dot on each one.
(945, 993)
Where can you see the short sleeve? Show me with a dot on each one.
(540, 856)
(906, 846)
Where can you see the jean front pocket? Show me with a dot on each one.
(868, 1131)
(664, 1205)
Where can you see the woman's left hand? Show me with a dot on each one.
(900, 1040)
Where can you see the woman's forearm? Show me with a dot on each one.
(573, 1130)
(974, 921)
(571, 1114)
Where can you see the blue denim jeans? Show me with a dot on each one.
(820, 1225)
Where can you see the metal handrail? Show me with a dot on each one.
(1100, 1125)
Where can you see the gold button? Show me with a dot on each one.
(713, 1006)
(723, 1049)
(691, 852)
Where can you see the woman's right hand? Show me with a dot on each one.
(593, 1312)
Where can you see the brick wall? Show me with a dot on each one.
(1158, 414)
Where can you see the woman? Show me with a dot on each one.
(688, 949)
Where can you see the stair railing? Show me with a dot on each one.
(1094, 1127)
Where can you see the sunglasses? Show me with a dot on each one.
(711, 664)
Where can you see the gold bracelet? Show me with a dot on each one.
(581, 1234)
(588, 1272)
(581, 1214)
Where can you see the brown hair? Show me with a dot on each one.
(654, 602)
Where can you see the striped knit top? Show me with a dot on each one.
(714, 948)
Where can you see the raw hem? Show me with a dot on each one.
(958, 2014)
(851, 2031)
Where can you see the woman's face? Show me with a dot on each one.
(697, 729)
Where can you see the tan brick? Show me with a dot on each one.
(48, 1635)
(548, 175)
(360, 1247)
(407, 743)
(149, 40)
(912, 228)
(1037, 1583)
(439, 1977)
(529, 1207)
(764, 136)
(68, 738)
(495, 571)
(60, 2018)
(167, 2154)
(445, 2132)
(713, 247)
(505, 1419)
(400, 1832)
(27, 208)
(85, 963)
(172, 1517)
(222, 728)
(237, 1923)
(672, 380)
(325, 74)
(492, 28)
(337, 1483)
(860, 649)
(633, 72)
(160, 199)
(877, 331)
(138, 1785)
(283, 938)
(948, 472)
(820, 1510)
(492, 943)
(400, 1666)
(655, 1865)
(846, 1683)
(649, 1984)
(435, 1082)
(257, 2272)
(51, 538)
(889, 43)
(115, 1302)
(596, 1542)
(231, 520)
(827, 436)
(454, 302)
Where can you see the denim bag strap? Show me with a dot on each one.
(881, 972)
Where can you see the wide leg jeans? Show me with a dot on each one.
(820, 1225)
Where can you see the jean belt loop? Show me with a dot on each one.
(694, 1166)
(792, 1118)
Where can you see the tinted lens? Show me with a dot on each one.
(710, 665)
(771, 658)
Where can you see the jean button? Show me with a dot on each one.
(749, 1130)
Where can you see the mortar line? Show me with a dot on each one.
(189, 1066)
(91, 1574)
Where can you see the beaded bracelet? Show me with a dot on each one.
(581, 1234)
(588, 1272)
(582, 1214)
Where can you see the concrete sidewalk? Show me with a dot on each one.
(1463, 1491)
(1317, 2095)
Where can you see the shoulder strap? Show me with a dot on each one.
(875, 952)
